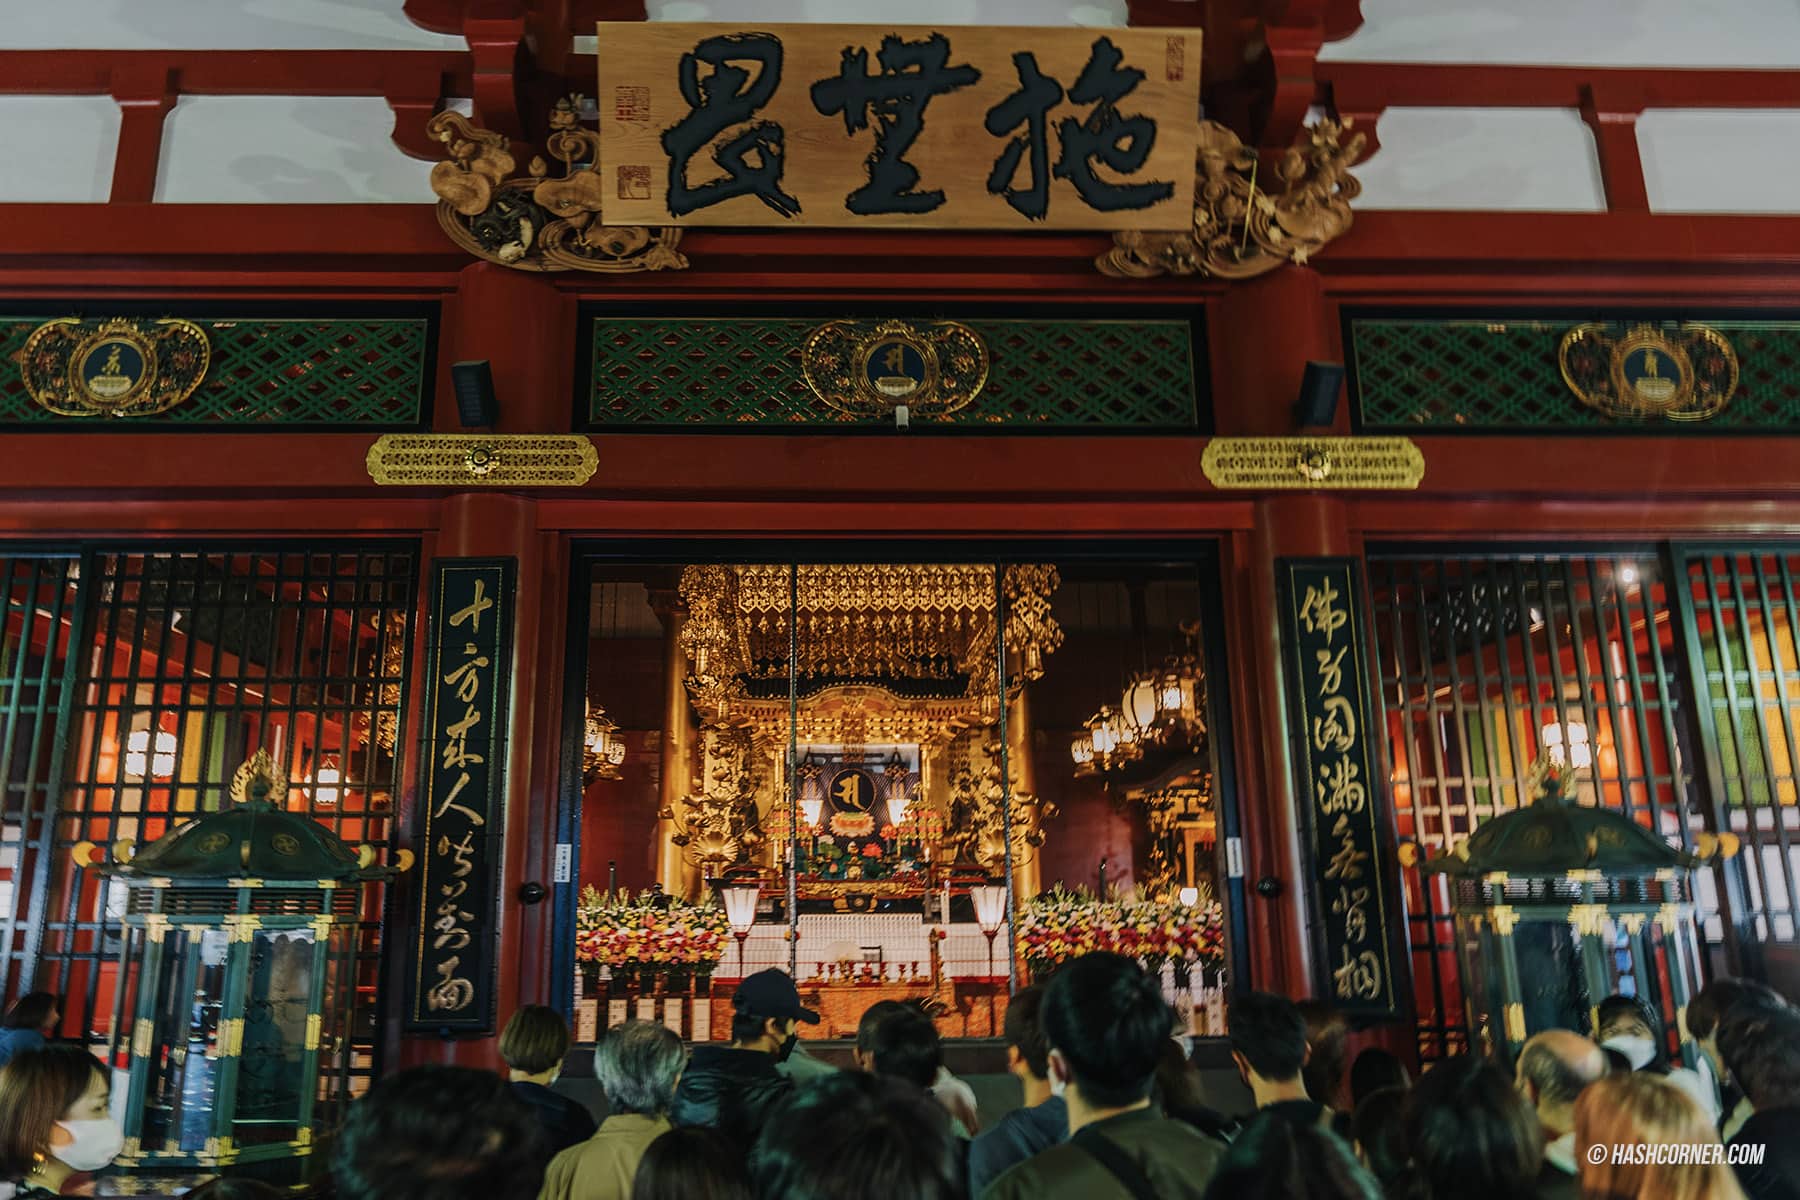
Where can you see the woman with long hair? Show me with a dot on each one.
(1644, 1109)
(53, 1120)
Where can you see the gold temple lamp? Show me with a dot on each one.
(990, 914)
(235, 1008)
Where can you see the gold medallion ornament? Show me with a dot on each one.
(114, 368)
(870, 369)
(1650, 372)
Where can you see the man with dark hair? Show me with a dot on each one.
(1705, 1013)
(734, 1088)
(1554, 1067)
(955, 1095)
(439, 1133)
(854, 1134)
(1106, 1021)
(1043, 1119)
(905, 1046)
(1268, 1043)
(1761, 1049)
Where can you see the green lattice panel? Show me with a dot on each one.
(1501, 373)
(356, 371)
(734, 371)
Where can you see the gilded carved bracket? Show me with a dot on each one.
(535, 222)
(1241, 228)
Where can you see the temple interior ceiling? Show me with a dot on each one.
(336, 149)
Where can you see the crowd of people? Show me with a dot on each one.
(1113, 1109)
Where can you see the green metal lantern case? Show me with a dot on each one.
(237, 982)
(1558, 905)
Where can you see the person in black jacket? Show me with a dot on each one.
(734, 1088)
(1761, 1049)
(533, 1045)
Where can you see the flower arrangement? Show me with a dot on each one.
(1059, 925)
(648, 930)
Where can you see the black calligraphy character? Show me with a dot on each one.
(1029, 106)
(451, 993)
(911, 74)
(1336, 728)
(751, 158)
(1320, 613)
(1358, 977)
(1121, 143)
(1331, 670)
(478, 604)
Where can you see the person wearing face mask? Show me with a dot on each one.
(53, 1120)
(734, 1088)
(532, 1045)
(1627, 1027)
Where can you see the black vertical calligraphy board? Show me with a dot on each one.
(1342, 794)
(452, 973)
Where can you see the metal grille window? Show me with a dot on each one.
(1742, 614)
(192, 658)
(1487, 661)
(37, 598)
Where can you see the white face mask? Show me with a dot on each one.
(1058, 1085)
(96, 1143)
(1639, 1050)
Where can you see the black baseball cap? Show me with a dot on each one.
(772, 993)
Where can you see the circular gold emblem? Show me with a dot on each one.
(212, 843)
(482, 460)
(1313, 463)
(285, 844)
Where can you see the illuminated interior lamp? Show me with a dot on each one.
(896, 790)
(1578, 753)
(323, 787)
(1139, 703)
(1190, 896)
(138, 755)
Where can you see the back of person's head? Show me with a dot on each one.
(1106, 1021)
(1328, 1050)
(1024, 1030)
(439, 1133)
(1275, 1159)
(1645, 1109)
(1268, 1034)
(39, 1088)
(1557, 1065)
(1719, 996)
(1378, 1127)
(1374, 1070)
(1470, 1134)
(236, 1189)
(872, 1018)
(33, 1010)
(1760, 1047)
(638, 1065)
(535, 1040)
(692, 1163)
(906, 1046)
(852, 1135)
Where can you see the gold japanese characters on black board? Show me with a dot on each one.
(1335, 768)
(452, 973)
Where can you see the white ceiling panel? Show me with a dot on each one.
(1623, 33)
(215, 25)
(286, 150)
(1504, 159)
(1705, 160)
(63, 147)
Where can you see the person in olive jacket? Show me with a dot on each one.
(734, 1088)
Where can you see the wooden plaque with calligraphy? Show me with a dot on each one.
(1337, 768)
(451, 978)
(963, 127)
